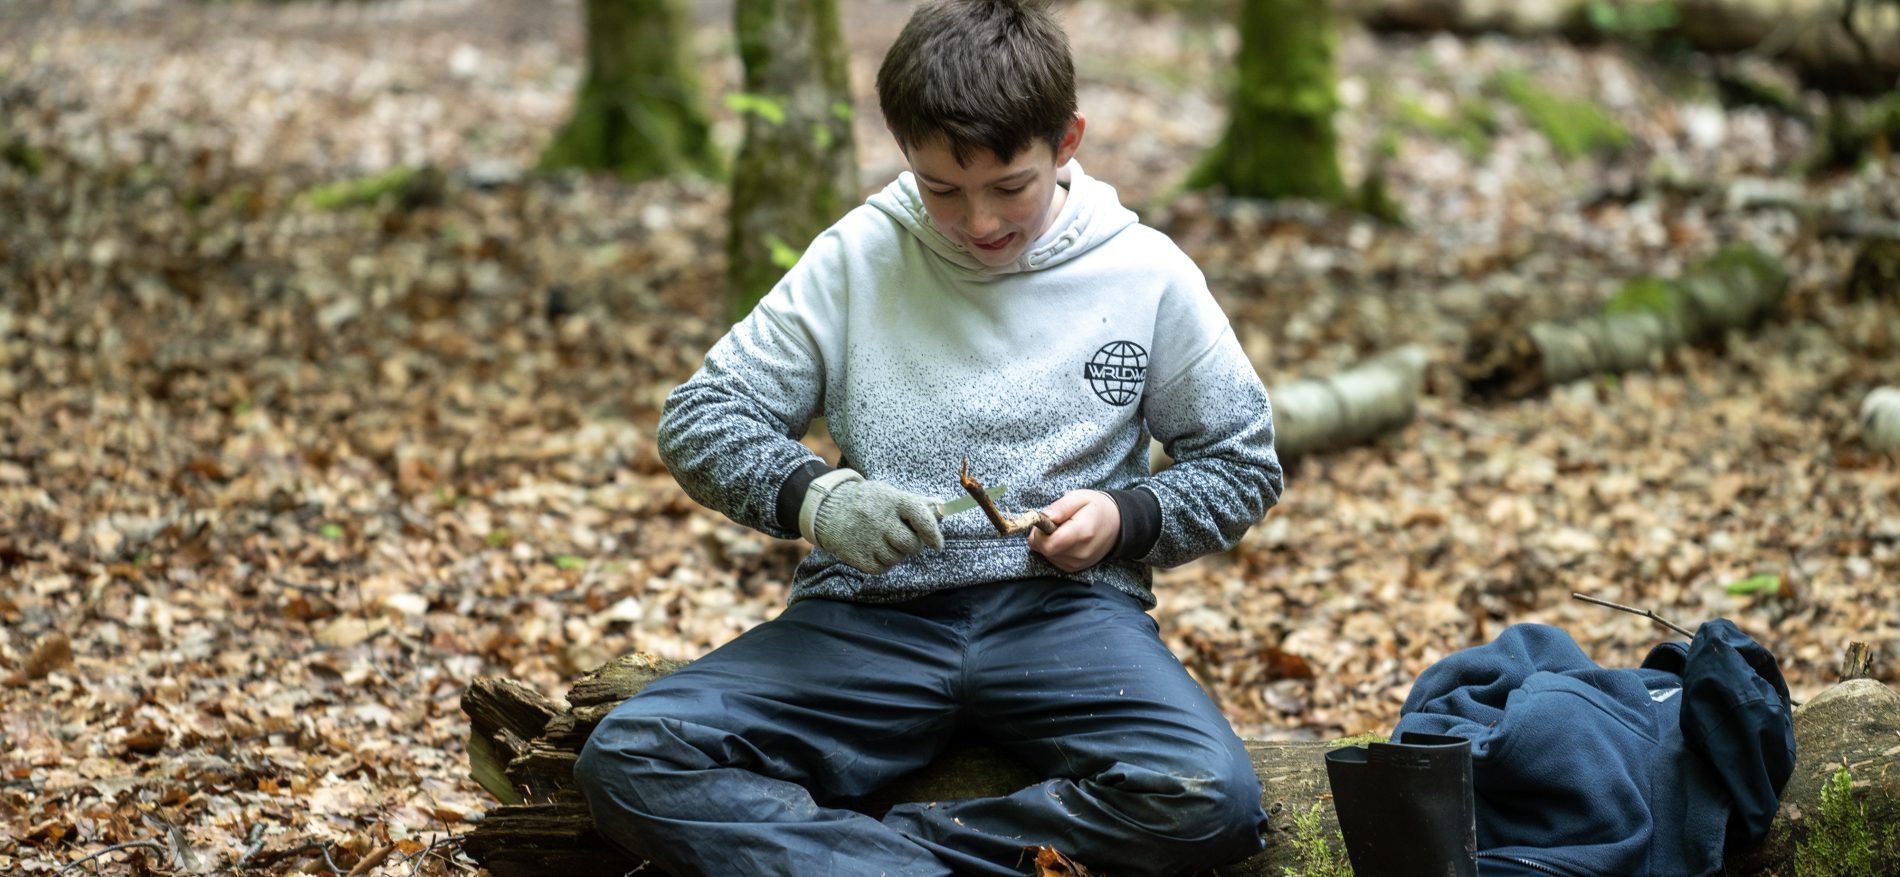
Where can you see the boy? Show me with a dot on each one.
(995, 303)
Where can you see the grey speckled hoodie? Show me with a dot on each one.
(1048, 374)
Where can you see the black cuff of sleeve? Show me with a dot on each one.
(1141, 524)
(791, 494)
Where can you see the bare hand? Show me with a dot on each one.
(1087, 524)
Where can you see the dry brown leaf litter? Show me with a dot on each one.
(275, 484)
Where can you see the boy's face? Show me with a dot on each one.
(992, 209)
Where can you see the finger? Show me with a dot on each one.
(922, 520)
(901, 540)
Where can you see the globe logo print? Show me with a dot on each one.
(1116, 371)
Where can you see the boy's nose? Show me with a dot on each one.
(979, 226)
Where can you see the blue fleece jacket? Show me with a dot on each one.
(1583, 770)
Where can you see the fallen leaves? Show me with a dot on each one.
(276, 483)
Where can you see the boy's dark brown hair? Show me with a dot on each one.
(981, 74)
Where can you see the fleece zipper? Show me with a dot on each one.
(1528, 863)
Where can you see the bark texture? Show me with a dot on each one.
(1734, 289)
(1279, 141)
(797, 169)
(639, 112)
(1853, 723)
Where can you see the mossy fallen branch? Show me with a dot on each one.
(1734, 289)
(407, 187)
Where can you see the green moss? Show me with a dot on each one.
(1472, 124)
(1358, 740)
(18, 153)
(1741, 261)
(770, 109)
(1280, 141)
(1630, 18)
(1574, 127)
(1644, 295)
(409, 186)
(1840, 842)
(1319, 853)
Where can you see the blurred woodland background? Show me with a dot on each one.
(333, 336)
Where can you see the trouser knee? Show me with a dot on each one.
(1211, 812)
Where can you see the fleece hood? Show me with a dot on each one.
(1092, 214)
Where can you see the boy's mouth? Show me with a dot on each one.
(995, 245)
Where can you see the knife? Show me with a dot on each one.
(967, 502)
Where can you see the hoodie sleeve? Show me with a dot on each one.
(1207, 406)
(729, 434)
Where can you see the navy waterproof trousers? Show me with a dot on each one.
(738, 763)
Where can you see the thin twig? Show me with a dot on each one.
(255, 843)
(422, 855)
(151, 844)
(1635, 611)
(1004, 526)
(369, 862)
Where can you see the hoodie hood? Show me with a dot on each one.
(1093, 213)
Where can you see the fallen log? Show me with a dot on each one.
(1880, 419)
(1830, 45)
(1734, 289)
(1338, 410)
(1854, 723)
(1364, 401)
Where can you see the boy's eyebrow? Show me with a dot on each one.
(1006, 178)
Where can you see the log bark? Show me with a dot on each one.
(1735, 289)
(1854, 723)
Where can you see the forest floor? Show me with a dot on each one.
(276, 481)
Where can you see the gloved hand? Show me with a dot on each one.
(867, 524)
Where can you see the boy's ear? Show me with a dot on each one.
(1071, 140)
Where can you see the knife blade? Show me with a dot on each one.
(966, 502)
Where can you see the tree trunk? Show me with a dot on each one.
(1279, 141)
(639, 112)
(1853, 723)
(1807, 35)
(1735, 289)
(797, 170)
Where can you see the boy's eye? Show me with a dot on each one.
(1015, 190)
(940, 193)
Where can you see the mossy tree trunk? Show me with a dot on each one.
(640, 112)
(797, 169)
(1279, 140)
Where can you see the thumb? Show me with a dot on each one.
(1065, 508)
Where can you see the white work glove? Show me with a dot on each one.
(867, 524)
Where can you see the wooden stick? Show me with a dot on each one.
(1635, 611)
(1004, 526)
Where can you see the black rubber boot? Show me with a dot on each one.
(1406, 808)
